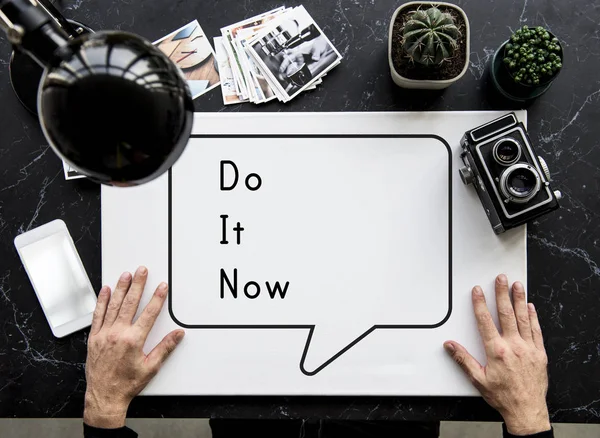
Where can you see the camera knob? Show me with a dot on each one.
(466, 175)
(545, 167)
(558, 194)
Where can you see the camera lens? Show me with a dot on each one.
(520, 183)
(507, 151)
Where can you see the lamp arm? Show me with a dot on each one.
(30, 28)
(60, 19)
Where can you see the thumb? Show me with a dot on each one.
(315, 52)
(163, 350)
(471, 366)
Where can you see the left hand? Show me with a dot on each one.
(117, 369)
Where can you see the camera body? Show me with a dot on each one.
(512, 182)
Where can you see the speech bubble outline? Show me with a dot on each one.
(311, 327)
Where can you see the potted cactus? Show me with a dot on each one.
(524, 67)
(428, 45)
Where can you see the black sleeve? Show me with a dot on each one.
(547, 434)
(94, 432)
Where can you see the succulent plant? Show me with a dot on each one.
(429, 37)
(533, 56)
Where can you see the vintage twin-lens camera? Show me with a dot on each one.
(512, 182)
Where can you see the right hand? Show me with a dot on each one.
(515, 379)
(313, 50)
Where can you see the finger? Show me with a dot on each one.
(506, 314)
(521, 312)
(133, 296)
(485, 323)
(100, 310)
(536, 329)
(284, 65)
(471, 366)
(315, 52)
(116, 299)
(152, 310)
(163, 350)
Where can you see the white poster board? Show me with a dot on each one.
(313, 254)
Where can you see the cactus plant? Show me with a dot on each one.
(533, 56)
(430, 37)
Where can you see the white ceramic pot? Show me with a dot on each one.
(427, 84)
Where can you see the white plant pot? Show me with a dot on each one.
(403, 82)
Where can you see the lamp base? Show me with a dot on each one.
(26, 74)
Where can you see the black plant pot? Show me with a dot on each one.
(508, 87)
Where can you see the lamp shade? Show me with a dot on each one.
(115, 108)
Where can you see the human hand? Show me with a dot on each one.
(314, 50)
(117, 369)
(515, 379)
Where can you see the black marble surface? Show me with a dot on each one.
(41, 376)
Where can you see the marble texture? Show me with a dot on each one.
(44, 377)
(199, 428)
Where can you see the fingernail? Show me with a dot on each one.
(531, 307)
(449, 347)
(104, 290)
(179, 336)
(502, 279)
(142, 270)
(125, 276)
(478, 291)
(163, 287)
(518, 286)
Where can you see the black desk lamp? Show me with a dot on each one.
(110, 104)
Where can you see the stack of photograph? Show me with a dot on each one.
(275, 55)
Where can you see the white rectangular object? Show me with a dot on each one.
(358, 252)
(58, 277)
